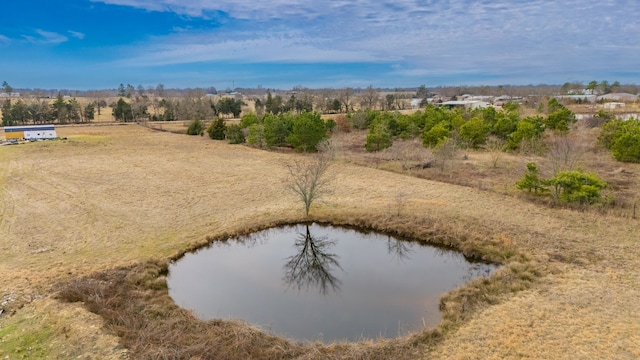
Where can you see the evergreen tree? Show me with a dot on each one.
(307, 131)
(7, 119)
(234, 134)
(379, 137)
(217, 129)
(196, 127)
(122, 111)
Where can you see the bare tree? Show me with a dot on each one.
(99, 99)
(159, 91)
(565, 150)
(398, 100)
(370, 98)
(445, 150)
(398, 204)
(495, 146)
(308, 178)
(345, 98)
(409, 153)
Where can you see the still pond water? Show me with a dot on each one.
(321, 282)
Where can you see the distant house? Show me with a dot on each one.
(30, 132)
(415, 103)
(620, 97)
(583, 98)
(485, 98)
(10, 95)
(465, 104)
(508, 98)
(614, 105)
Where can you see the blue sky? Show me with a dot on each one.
(95, 44)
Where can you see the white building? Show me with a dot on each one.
(31, 132)
(614, 105)
(619, 97)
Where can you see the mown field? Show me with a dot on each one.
(111, 200)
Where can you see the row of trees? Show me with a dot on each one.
(141, 108)
(138, 108)
(330, 101)
(303, 131)
(594, 87)
(469, 128)
(41, 111)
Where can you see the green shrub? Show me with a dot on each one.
(248, 120)
(474, 132)
(307, 131)
(560, 120)
(362, 119)
(331, 125)
(609, 132)
(528, 129)
(256, 136)
(379, 137)
(433, 136)
(433, 115)
(196, 127)
(277, 128)
(622, 137)
(626, 146)
(505, 124)
(571, 186)
(577, 187)
(217, 129)
(235, 134)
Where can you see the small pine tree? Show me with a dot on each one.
(530, 180)
(577, 186)
(379, 137)
(249, 119)
(196, 127)
(217, 129)
(307, 131)
(435, 135)
(474, 132)
(256, 136)
(622, 138)
(235, 134)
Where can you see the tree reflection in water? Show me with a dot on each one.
(313, 265)
(399, 249)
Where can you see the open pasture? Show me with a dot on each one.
(118, 196)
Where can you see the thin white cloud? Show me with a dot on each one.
(439, 36)
(76, 34)
(244, 48)
(4, 39)
(46, 37)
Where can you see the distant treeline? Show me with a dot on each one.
(42, 111)
(129, 91)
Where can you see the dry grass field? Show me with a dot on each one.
(106, 209)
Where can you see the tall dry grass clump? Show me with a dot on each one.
(136, 307)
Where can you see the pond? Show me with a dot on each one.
(321, 283)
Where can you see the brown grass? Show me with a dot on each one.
(112, 204)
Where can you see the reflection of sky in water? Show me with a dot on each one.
(385, 287)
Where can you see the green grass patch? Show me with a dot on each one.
(24, 338)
